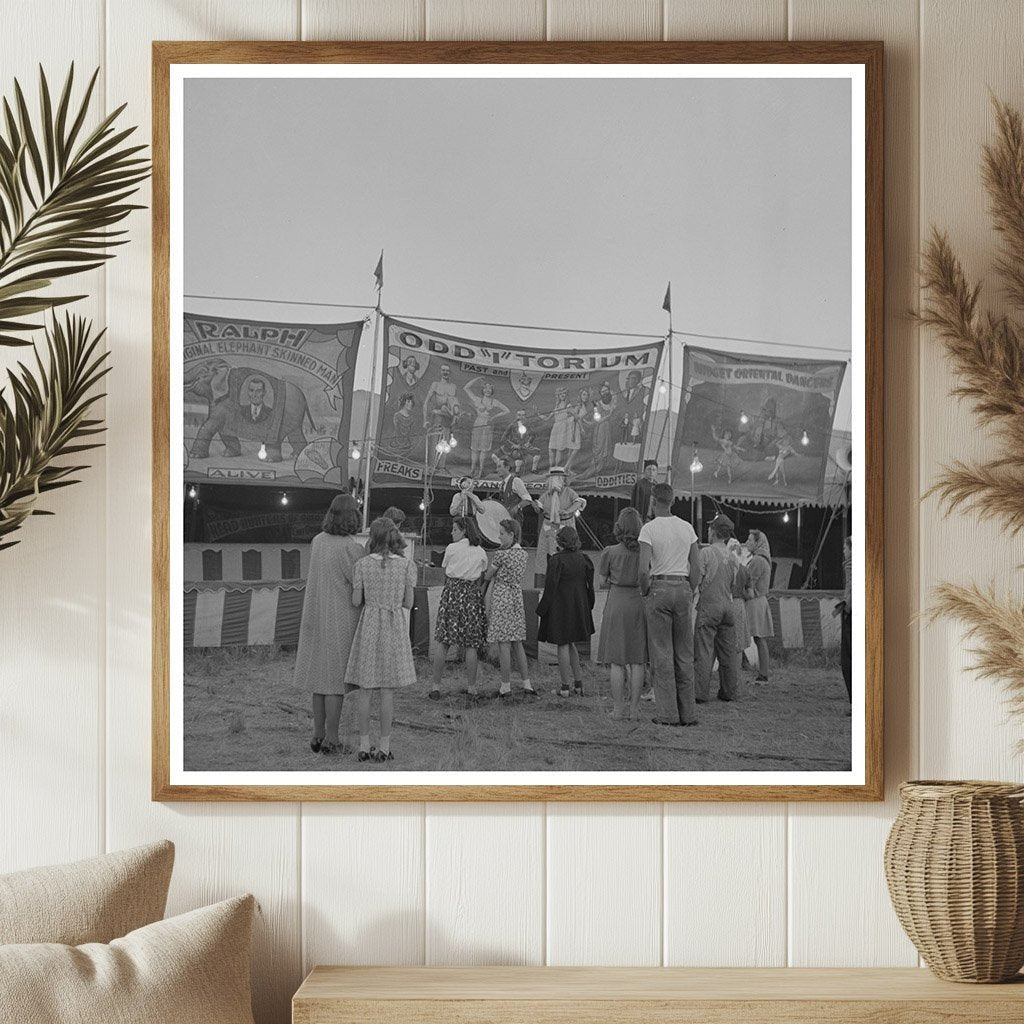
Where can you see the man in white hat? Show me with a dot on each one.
(557, 507)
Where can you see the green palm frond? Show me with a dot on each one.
(45, 419)
(62, 192)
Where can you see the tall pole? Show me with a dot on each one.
(799, 543)
(671, 380)
(379, 274)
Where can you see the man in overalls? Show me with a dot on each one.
(714, 633)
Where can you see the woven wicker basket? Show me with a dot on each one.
(954, 861)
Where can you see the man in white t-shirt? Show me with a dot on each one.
(669, 561)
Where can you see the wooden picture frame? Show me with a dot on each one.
(867, 56)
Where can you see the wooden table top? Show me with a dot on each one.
(645, 984)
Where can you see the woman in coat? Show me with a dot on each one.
(329, 619)
(566, 606)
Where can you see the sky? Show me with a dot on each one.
(553, 202)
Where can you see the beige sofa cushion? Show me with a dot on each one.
(191, 969)
(93, 900)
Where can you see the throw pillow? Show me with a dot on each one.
(93, 900)
(190, 969)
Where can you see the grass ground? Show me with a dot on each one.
(242, 714)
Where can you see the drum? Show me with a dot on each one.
(489, 519)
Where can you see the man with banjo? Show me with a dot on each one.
(512, 498)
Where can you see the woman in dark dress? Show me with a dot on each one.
(566, 606)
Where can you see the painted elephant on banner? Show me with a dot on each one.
(255, 406)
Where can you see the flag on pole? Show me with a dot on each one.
(667, 304)
(378, 273)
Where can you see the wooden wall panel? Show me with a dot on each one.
(485, 19)
(725, 885)
(362, 884)
(967, 49)
(599, 19)
(51, 583)
(222, 849)
(363, 19)
(604, 884)
(726, 19)
(835, 852)
(485, 884)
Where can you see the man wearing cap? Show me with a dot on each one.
(669, 575)
(641, 498)
(714, 633)
(557, 507)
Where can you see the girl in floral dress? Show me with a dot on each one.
(506, 617)
(461, 621)
(383, 584)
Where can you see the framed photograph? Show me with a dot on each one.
(517, 421)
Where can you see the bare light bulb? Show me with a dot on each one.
(785, 517)
(696, 466)
(423, 508)
(284, 499)
(805, 440)
(192, 492)
(356, 453)
(744, 418)
(262, 453)
(522, 428)
(597, 415)
(663, 388)
(453, 442)
(439, 447)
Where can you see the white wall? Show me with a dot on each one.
(519, 883)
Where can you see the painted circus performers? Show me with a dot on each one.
(453, 407)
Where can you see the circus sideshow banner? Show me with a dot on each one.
(267, 403)
(584, 409)
(761, 426)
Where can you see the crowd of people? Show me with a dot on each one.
(674, 610)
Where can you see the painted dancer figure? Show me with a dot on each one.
(778, 473)
(488, 409)
(564, 440)
(728, 458)
(583, 410)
